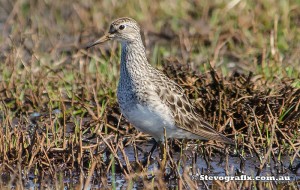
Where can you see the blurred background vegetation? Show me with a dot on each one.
(260, 36)
(40, 38)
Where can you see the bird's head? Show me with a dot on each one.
(124, 30)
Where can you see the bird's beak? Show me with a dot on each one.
(101, 40)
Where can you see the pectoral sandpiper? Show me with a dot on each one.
(148, 99)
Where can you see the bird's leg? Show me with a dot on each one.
(153, 148)
(147, 157)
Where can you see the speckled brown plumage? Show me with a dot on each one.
(148, 99)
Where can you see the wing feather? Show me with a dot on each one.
(184, 113)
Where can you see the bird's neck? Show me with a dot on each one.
(133, 59)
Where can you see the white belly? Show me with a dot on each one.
(156, 122)
(150, 121)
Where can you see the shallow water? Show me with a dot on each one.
(216, 169)
(251, 165)
(273, 169)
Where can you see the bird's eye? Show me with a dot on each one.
(121, 27)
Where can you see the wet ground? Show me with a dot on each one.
(200, 169)
(71, 166)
